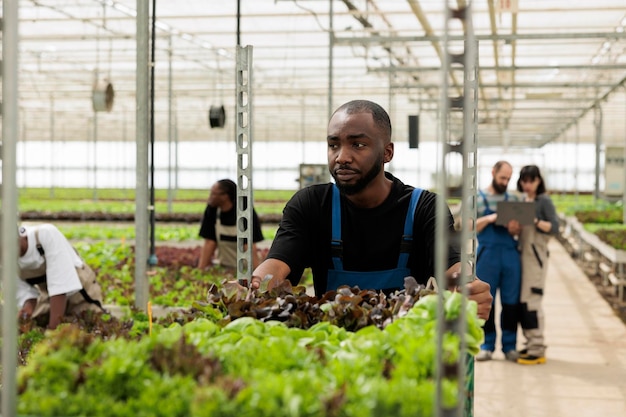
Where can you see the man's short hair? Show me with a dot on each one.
(380, 115)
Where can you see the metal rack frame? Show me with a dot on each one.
(243, 137)
(452, 107)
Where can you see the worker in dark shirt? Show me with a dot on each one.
(219, 228)
(368, 228)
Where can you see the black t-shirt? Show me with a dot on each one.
(227, 218)
(371, 236)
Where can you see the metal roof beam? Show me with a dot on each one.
(499, 37)
(573, 84)
(559, 109)
(551, 99)
(602, 67)
(525, 100)
(597, 102)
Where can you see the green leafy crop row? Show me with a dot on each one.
(123, 201)
(249, 368)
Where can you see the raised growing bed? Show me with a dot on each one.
(278, 353)
(93, 216)
(596, 256)
(216, 356)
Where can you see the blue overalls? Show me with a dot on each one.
(377, 280)
(498, 263)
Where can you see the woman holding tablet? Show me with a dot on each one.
(533, 242)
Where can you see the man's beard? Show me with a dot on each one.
(360, 184)
(499, 189)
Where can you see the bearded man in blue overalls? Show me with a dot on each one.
(368, 229)
(498, 263)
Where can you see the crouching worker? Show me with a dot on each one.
(54, 279)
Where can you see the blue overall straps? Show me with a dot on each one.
(376, 280)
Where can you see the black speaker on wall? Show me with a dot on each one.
(414, 131)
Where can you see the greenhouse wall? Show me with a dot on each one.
(196, 165)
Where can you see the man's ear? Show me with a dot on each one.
(388, 152)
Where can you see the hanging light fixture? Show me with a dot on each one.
(217, 116)
(102, 95)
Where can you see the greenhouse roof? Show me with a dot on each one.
(548, 70)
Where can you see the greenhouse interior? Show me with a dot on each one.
(146, 143)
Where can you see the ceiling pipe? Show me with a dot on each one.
(602, 67)
(421, 17)
(366, 24)
(389, 49)
(347, 40)
(462, 4)
(389, 25)
(597, 102)
(496, 58)
(503, 37)
(522, 85)
(513, 44)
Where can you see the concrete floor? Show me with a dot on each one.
(585, 373)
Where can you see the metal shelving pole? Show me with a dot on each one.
(469, 194)
(243, 138)
(142, 207)
(10, 134)
(451, 108)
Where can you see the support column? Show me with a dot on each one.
(243, 137)
(141, 186)
(457, 110)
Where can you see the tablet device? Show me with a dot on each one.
(522, 211)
